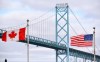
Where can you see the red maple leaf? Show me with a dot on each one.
(12, 34)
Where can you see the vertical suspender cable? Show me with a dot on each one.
(79, 23)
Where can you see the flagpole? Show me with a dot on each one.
(27, 40)
(94, 42)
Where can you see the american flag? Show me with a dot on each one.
(82, 40)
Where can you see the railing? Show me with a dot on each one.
(55, 45)
(50, 43)
(73, 52)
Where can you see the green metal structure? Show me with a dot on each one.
(61, 45)
(62, 31)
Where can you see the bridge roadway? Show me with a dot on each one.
(51, 44)
(56, 46)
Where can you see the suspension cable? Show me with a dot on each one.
(32, 20)
(98, 49)
(43, 14)
(77, 34)
(78, 20)
(43, 20)
(73, 29)
(79, 23)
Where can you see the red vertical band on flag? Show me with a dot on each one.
(22, 34)
(4, 36)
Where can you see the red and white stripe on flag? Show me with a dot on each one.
(79, 41)
(14, 35)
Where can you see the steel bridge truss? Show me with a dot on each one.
(62, 39)
(62, 31)
(61, 47)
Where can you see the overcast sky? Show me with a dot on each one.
(16, 12)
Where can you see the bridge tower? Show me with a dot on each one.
(62, 32)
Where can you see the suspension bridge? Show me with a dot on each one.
(61, 44)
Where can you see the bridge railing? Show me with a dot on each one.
(55, 45)
(73, 52)
(45, 41)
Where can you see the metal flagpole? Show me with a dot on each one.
(27, 40)
(94, 42)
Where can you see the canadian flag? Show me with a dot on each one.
(14, 35)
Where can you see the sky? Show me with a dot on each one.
(14, 13)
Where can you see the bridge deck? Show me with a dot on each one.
(45, 43)
(54, 45)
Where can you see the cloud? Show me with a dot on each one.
(41, 5)
(11, 5)
(10, 53)
(16, 12)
